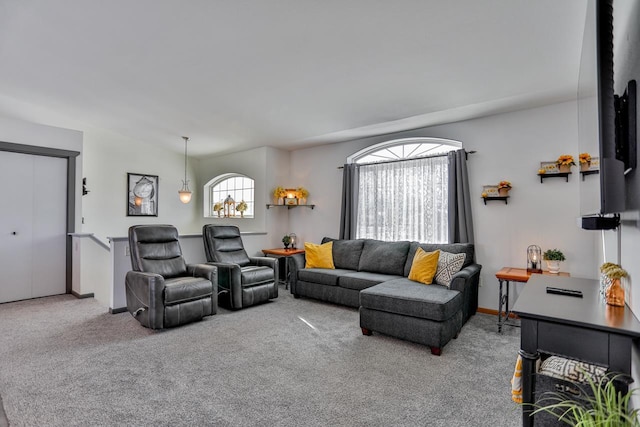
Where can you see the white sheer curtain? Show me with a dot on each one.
(405, 200)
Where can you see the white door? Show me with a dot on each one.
(32, 226)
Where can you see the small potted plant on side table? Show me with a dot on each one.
(553, 257)
(286, 240)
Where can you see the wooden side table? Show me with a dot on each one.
(282, 253)
(508, 275)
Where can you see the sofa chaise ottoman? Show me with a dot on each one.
(429, 315)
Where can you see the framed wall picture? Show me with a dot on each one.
(550, 167)
(142, 195)
(490, 190)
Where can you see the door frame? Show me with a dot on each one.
(70, 156)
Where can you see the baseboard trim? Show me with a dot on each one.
(117, 310)
(495, 312)
(82, 296)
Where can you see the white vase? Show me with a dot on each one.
(553, 266)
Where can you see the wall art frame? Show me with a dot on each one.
(142, 194)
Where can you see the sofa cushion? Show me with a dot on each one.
(359, 280)
(425, 265)
(453, 248)
(182, 289)
(384, 257)
(402, 296)
(322, 276)
(319, 256)
(448, 265)
(346, 253)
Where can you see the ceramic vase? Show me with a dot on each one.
(503, 192)
(553, 266)
(584, 166)
(564, 168)
(615, 294)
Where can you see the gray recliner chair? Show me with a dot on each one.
(163, 290)
(243, 280)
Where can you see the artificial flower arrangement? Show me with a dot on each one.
(504, 184)
(242, 206)
(303, 193)
(566, 160)
(217, 207)
(584, 158)
(613, 271)
(279, 192)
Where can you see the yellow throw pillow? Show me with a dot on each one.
(424, 266)
(319, 256)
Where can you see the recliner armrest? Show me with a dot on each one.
(145, 300)
(264, 261)
(230, 276)
(210, 272)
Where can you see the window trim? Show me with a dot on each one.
(456, 145)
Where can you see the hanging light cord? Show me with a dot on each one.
(186, 138)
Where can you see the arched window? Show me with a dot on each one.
(402, 191)
(239, 187)
(405, 148)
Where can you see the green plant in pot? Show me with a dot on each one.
(287, 241)
(553, 257)
(605, 407)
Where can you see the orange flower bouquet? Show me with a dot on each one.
(565, 162)
(503, 188)
(585, 161)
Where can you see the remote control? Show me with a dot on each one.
(561, 291)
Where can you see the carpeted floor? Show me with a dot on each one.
(292, 362)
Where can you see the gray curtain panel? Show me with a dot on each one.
(349, 210)
(460, 219)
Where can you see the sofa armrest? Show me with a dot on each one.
(145, 298)
(209, 272)
(295, 263)
(466, 282)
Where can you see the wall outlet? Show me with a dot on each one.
(127, 252)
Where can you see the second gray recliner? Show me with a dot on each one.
(243, 280)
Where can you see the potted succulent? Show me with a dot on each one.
(286, 240)
(585, 161)
(553, 257)
(565, 162)
(503, 188)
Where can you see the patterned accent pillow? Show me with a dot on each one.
(573, 370)
(448, 265)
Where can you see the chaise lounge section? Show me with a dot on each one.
(373, 276)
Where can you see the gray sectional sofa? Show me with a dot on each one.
(372, 275)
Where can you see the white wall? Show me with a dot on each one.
(27, 133)
(107, 160)
(509, 147)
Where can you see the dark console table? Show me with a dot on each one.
(584, 328)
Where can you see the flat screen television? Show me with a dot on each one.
(603, 193)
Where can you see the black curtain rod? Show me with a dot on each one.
(413, 158)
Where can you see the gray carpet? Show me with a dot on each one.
(66, 362)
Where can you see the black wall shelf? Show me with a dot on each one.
(593, 172)
(496, 198)
(289, 206)
(554, 175)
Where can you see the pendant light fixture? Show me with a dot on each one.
(185, 193)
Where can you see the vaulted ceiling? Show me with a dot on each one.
(236, 74)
